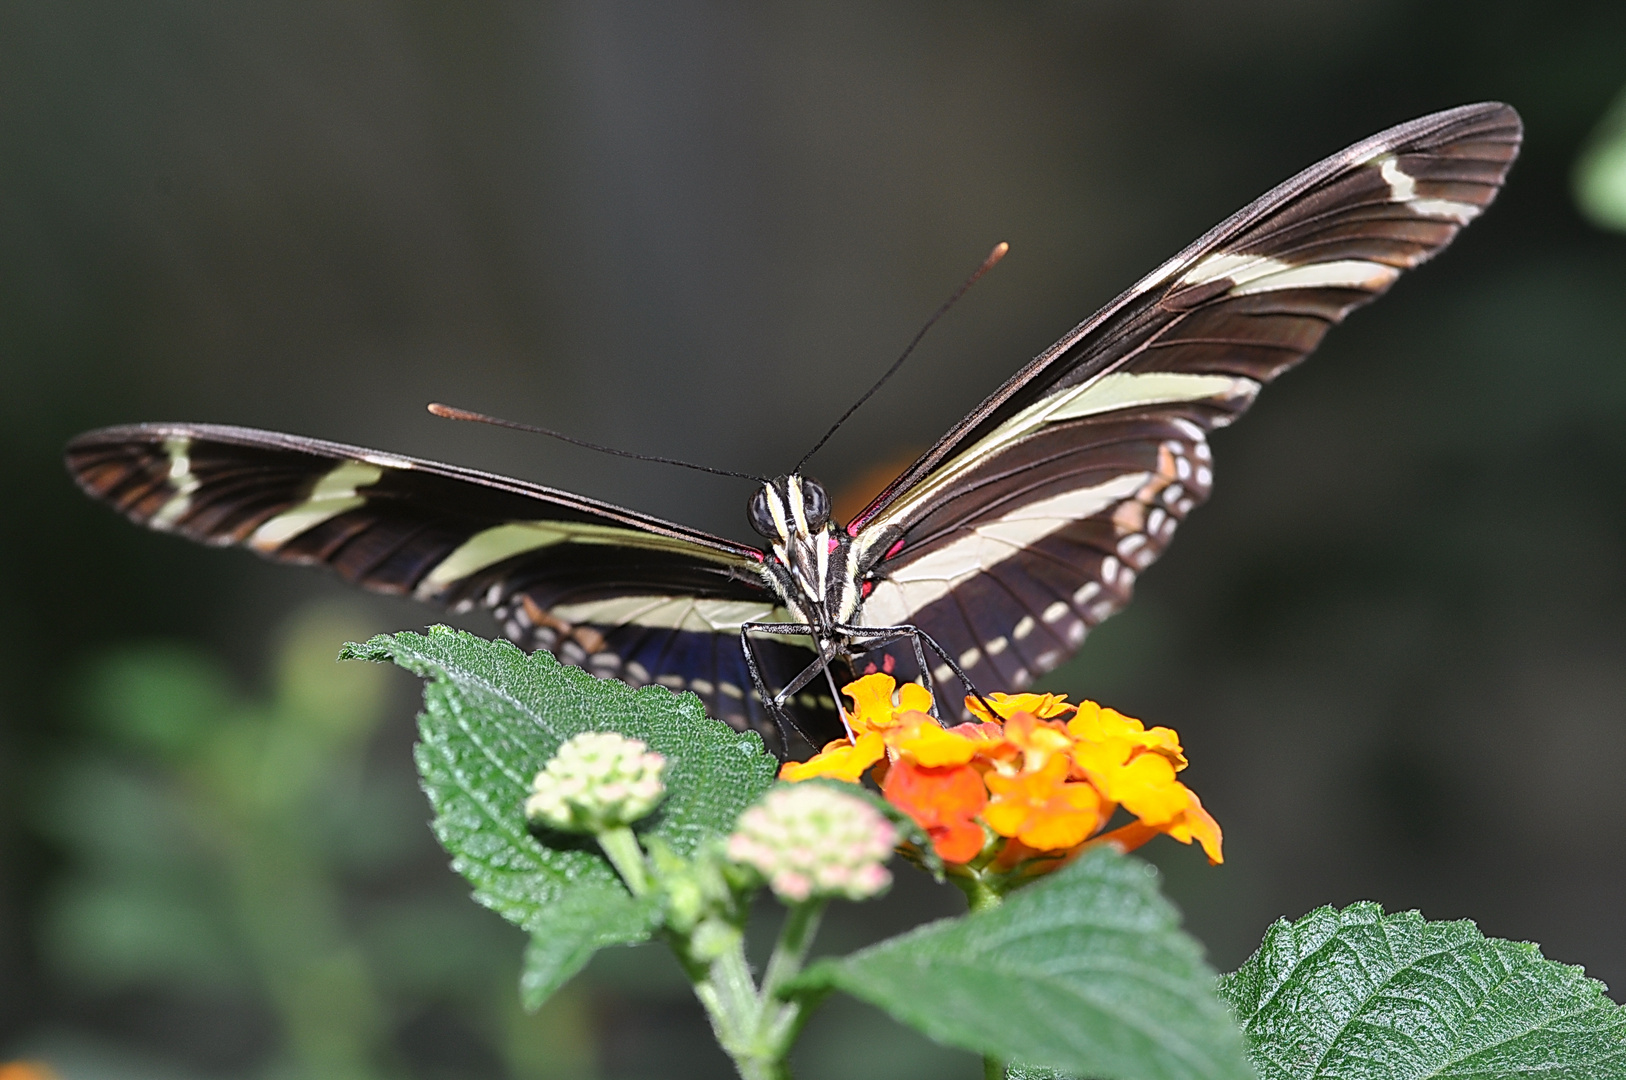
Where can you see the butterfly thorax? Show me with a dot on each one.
(807, 559)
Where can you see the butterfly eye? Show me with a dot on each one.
(815, 504)
(760, 518)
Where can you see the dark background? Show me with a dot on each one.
(1392, 643)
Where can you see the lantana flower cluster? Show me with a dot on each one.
(597, 780)
(1027, 785)
(808, 841)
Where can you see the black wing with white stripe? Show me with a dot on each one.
(1027, 523)
(617, 592)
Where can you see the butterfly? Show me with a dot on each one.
(989, 559)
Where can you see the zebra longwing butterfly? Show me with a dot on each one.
(1021, 529)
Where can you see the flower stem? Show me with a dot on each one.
(981, 890)
(756, 1026)
(621, 847)
(790, 951)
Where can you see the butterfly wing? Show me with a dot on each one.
(616, 592)
(1027, 523)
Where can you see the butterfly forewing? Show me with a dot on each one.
(618, 592)
(1027, 523)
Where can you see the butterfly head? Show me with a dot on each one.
(790, 508)
(809, 551)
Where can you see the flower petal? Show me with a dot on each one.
(872, 701)
(840, 760)
(920, 737)
(1044, 706)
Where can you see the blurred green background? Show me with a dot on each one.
(1393, 642)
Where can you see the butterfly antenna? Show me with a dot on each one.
(451, 413)
(987, 264)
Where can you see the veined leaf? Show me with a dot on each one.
(1086, 972)
(1357, 994)
(492, 717)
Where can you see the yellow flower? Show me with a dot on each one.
(923, 739)
(1044, 706)
(872, 702)
(1093, 723)
(1147, 788)
(1043, 775)
(840, 760)
(1041, 809)
(1197, 824)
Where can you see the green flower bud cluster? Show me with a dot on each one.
(598, 780)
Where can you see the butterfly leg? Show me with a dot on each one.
(918, 635)
(895, 633)
(773, 703)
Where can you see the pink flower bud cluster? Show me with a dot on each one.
(808, 840)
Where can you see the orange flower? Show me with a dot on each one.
(1043, 775)
(945, 801)
(1041, 809)
(1192, 823)
(1038, 740)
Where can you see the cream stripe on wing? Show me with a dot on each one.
(333, 495)
(699, 615)
(181, 480)
(915, 584)
(1251, 274)
(1103, 394)
(491, 546)
(1272, 275)
(1403, 189)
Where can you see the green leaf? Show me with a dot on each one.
(1358, 994)
(492, 717)
(1086, 972)
(1019, 1071)
(582, 922)
(1600, 171)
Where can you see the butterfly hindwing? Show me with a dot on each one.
(1027, 523)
